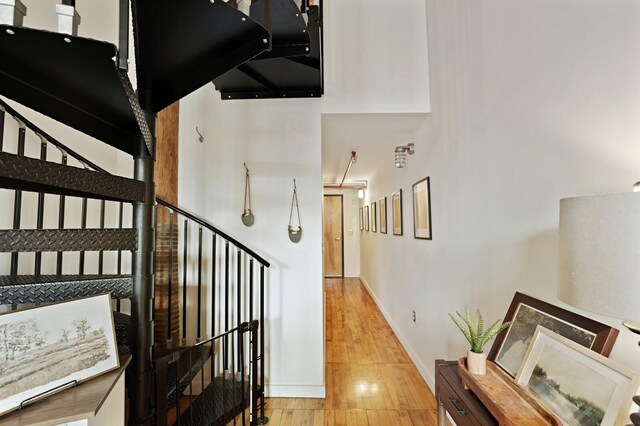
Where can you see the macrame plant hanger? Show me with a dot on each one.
(295, 232)
(247, 215)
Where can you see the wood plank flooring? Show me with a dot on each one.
(370, 379)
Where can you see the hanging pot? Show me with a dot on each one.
(295, 232)
(247, 215)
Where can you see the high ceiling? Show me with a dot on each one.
(373, 137)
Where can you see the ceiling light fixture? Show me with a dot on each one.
(401, 154)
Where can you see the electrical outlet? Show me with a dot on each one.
(413, 315)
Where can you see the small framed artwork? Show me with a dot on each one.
(361, 219)
(374, 217)
(383, 215)
(578, 385)
(366, 218)
(526, 313)
(396, 205)
(422, 210)
(72, 341)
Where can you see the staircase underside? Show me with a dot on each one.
(182, 45)
(73, 80)
(287, 76)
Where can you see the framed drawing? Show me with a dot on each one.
(374, 217)
(396, 205)
(578, 385)
(72, 341)
(422, 209)
(526, 313)
(361, 220)
(383, 215)
(366, 218)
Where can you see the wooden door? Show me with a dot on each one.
(333, 236)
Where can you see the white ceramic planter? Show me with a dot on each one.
(476, 363)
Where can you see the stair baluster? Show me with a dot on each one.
(17, 200)
(184, 284)
(83, 225)
(199, 303)
(40, 219)
(170, 282)
(61, 214)
(2, 113)
(238, 296)
(226, 305)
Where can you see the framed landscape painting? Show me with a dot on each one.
(366, 218)
(383, 215)
(50, 346)
(374, 217)
(396, 206)
(578, 385)
(422, 210)
(526, 313)
(361, 219)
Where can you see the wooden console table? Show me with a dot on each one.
(462, 405)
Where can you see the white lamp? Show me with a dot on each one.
(599, 254)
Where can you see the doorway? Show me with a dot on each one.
(333, 236)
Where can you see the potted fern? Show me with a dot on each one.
(473, 330)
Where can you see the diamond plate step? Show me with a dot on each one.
(45, 240)
(20, 289)
(30, 174)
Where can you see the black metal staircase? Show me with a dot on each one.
(84, 83)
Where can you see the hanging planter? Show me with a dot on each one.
(247, 215)
(295, 232)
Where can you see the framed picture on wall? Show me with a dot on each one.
(361, 219)
(374, 217)
(396, 204)
(383, 215)
(422, 210)
(526, 313)
(366, 218)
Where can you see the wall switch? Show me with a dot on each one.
(350, 232)
(413, 316)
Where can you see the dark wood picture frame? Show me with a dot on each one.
(366, 218)
(383, 215)
(361, 219)
(374, 217)
(420, 211)
(604, 336)
(396, 208)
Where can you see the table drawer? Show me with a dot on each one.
(457, 409)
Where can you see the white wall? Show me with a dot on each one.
(531, 102)
(351, 232)
(366, 70)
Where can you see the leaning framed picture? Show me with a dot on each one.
(422, 210)
(578, 385)
(383, 215)
(396, 206)
(374, 217)
(361, 219)
(52, 347)
(526, 313)
(366, 218)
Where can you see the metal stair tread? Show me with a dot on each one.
(279, 77)
(289, 33)
(73, 80)
(18, 289)
(30, 174)
(48, 240)
(181, 46)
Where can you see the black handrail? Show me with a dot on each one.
(160, 201)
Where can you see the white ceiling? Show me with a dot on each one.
(373, 137)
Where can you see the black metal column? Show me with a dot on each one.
(143, 282)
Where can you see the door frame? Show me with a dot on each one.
(341, 239)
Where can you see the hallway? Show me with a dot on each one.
(370, 379)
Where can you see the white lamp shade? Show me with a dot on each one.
(599, 254)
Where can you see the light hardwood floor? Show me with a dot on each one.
(370, 379)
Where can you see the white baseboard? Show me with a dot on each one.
(403, 340)
(295, 391)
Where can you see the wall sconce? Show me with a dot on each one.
(401, 154)
(361, 193)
